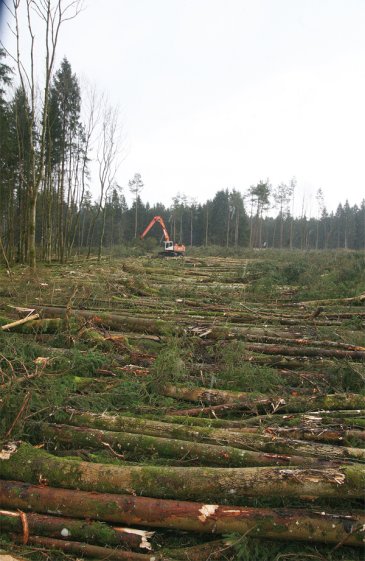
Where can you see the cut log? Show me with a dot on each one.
(210, 411)
(278, 523)
(235, 439)
(252, 401)
(25, 463)
(113, 321)
(72, 528)
(137, 446)
(286, 350)
(53, 325)
(340, 437)
(94, 551)
(301, 342)
(288, 362)
(333, 301)
(335, 418)
(19, 322)
(316, 419)
(210, 551)
(198, 421)
(216, 397)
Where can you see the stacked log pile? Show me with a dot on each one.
(196, 455)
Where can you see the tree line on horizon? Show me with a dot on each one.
(65, 219)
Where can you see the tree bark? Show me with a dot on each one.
(32, 201)
(33, 465)
(54, 325)
(273, 523)
(19, 322)
(329, 435)
(137, 446)
(323, 420)
(252, 401)
(94, 551)
(286, 350)
(333, 301)
(285, 342)
(235, 439)
(113, 321)
(80, 530)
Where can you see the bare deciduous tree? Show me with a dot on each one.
(52, 14)
(108, 156)
(135, 186)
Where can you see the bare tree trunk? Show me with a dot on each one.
(136, 218)
(206, 226)
(137, 446)
(80, 530)
(288, 524)
(32, 227)
(102, 233)
(228, 225)
(200, 483)
(53, 15)
(236, 231)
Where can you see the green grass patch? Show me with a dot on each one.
(237, 374)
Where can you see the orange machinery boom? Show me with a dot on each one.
(171, 248)
(160, 220)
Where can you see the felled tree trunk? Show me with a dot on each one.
(94, 551)
(210, 551)
(282, 524)
(333, 301)
(33, 465)
(17, 323)
(53, 325)
(79, 530)
(215, 397)
(290, 404)
(235, 439)
(244, 441)
(288, 362)
(307, 351)
(289, 341)
(135, 446)
(113, 321)
(345, 418)
(211, 410)
(339, 437)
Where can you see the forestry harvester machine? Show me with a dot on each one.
(171, 249)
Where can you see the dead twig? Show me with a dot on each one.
(19, 415)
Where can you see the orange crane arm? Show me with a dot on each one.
(155, 219)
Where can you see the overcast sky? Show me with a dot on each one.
(223, 93)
